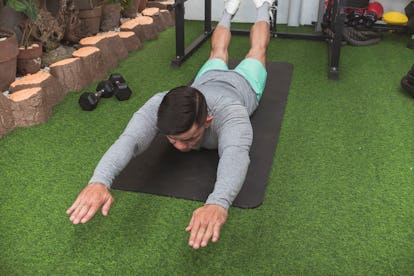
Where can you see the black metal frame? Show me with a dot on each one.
(336, 24)
(182, 53)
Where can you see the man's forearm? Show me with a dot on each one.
(231, 174)
(136, 138)
(113, 161)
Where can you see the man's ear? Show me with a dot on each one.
(209, 120)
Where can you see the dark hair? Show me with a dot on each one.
(181, 107)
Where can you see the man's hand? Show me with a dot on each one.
(88, 203)
(206, 223)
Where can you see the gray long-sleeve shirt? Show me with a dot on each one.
(231, 100)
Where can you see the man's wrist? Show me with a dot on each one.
(99, 183)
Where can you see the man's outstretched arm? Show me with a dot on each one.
(136, 137)
(235, 140)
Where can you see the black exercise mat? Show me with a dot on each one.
(163, 170)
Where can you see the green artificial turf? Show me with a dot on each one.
(339, 201)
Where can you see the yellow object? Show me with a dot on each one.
(395, 18)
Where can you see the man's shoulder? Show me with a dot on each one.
(152, 104)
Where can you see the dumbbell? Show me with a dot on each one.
(121, 90)
(89, 101)
(407, 82)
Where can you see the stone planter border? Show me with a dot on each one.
(32, 97)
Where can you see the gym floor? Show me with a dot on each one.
(340, 197)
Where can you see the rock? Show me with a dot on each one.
(131, 41)
(71, 74)
(92, 62)
(154, 13)
(142, 26)
(111, 46)
(29, 108)
(51, 87)
(6, 116)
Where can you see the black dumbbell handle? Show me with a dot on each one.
(99, 93)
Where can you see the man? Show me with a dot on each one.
(211, 113)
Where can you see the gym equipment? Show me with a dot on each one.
(89, 101)
(121, 90)
(331, 16)
(409, 11)
(407, 82)
(163, 170)
(354, 16)
(183, 53)
(373, 13)
(395, 18)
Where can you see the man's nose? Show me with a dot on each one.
(181, 146)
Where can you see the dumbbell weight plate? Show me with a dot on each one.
(122, 91)
(88, 101)
(116, 78)
(106, 88)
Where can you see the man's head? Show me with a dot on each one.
(183, 117)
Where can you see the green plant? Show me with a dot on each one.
(28, 8)
(129, 8)
(125, 3)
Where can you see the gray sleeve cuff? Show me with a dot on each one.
(216, 200)
(101, 180)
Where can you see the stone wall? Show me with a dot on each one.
(32, 97)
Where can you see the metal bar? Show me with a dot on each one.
(335, 44)
(310, 36)
(191, 48)
(207, 16)
(179, 29)
(183, 53)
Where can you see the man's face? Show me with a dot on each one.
(190, 139)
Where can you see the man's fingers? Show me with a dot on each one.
(207, 235)
(91, 212)
(216, 232)
(75, 213)
(190, 225)
(107, 206)
(73, 207)
(199, 236)
(193, 234)
(82, 211)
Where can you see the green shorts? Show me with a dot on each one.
(251, 69)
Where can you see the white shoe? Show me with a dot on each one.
(231, 6)
(259, 3)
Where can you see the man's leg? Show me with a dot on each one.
(253, 67)
(220, 43)
(260, 33)
(220, 40)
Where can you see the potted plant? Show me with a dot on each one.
(8, 58)
(130, 8)
(30, 52)
(86, 4)
(49, 29)
(111, 14)
(90, 17)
